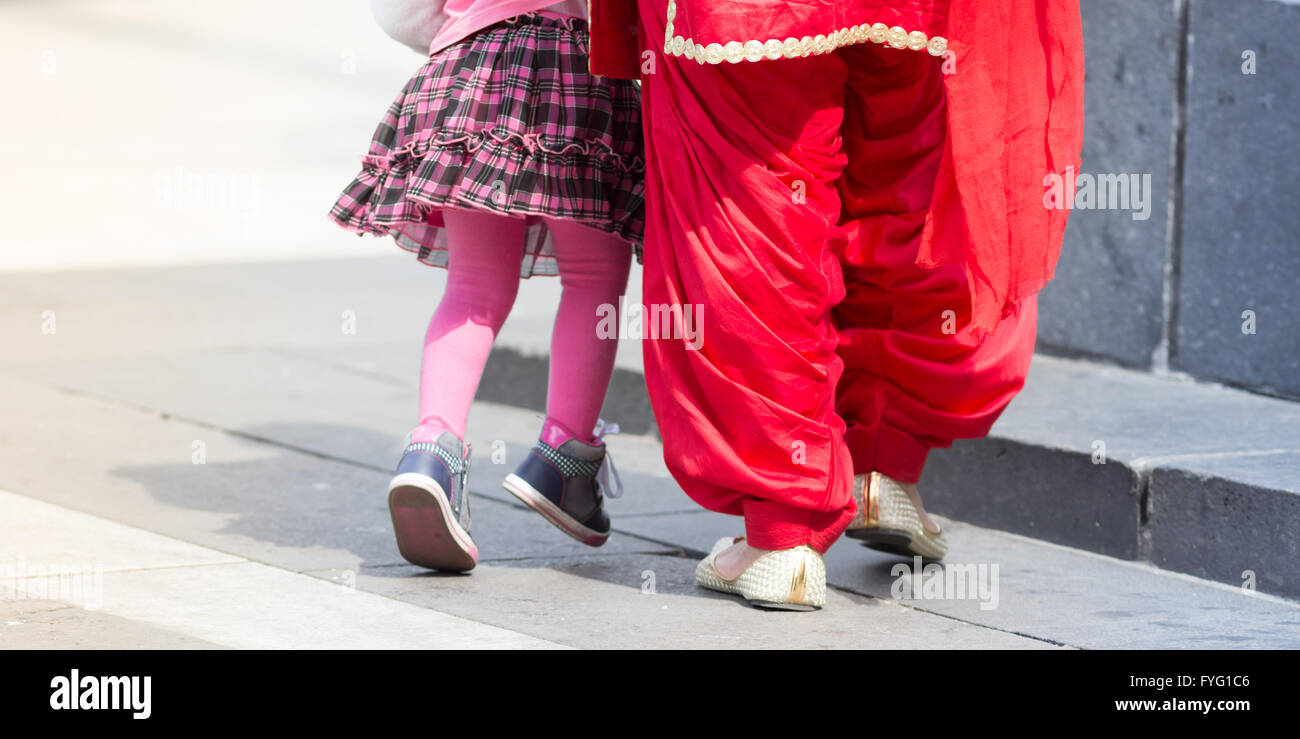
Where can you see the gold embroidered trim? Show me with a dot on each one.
(799, 581)
(793, 48)
(872, 499)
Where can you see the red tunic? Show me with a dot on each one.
(1014, 83)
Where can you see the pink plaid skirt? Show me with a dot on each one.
(509, 120)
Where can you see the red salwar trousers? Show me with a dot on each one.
(785, 203)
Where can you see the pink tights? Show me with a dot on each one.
(483, 278)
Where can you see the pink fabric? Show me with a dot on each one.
(482, 282)
(593, 270)
(466, 17)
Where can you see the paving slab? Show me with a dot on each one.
(181, 588)
(1072, 597)
(365, 425)
(651, 602)
(1023, 586)
(253, 606)
(1141, 418)
(47, 624)
(37, 534)
(255, 499)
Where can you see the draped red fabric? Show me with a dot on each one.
(1014, 82)
(613, 27)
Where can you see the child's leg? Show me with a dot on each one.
(483, 278)
(593, 270)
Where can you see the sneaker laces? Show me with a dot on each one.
(607, 467)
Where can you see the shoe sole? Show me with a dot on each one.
(529, 496)
(427, 535)
(772, 606)
(892, 541)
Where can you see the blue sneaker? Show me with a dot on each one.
(566, 486)
(429, 503)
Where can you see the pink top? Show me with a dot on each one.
(465, 17)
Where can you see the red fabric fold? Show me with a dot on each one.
(614, 26)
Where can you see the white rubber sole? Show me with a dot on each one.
(529, 496)
(427, 534)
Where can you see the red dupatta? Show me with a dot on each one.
(1014, 80)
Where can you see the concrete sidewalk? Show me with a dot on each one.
(244, 419)
(167, 589)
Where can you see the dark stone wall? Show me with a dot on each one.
(1167, 96)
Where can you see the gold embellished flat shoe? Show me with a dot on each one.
(786, 579)
(888, 522)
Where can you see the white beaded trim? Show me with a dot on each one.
(793, 48)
